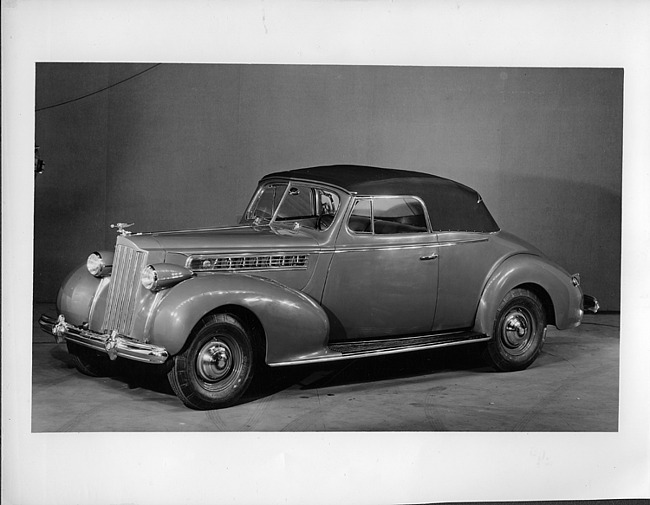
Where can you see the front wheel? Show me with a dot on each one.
(519, 331)
(216, 366)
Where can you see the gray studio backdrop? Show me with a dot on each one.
(183, 145)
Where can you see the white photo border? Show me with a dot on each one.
(160, 468)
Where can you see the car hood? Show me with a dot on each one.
(225, 240)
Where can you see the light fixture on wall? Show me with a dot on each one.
(39, 164)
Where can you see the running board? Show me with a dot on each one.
(406, 343)
(338, 351)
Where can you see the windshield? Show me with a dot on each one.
(294, 203)
(266, 203)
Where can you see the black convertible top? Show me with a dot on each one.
(452, 206)
(354, 177)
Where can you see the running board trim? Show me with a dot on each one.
(367, 348)
(371, 346)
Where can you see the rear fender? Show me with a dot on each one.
(525, 269)
(294, 325)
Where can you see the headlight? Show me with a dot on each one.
(163, 275)
(96, 264)
(149, 278)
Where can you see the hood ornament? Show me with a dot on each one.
(120, 228)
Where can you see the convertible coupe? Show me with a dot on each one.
(327, 263)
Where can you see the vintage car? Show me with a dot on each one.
(327, 263)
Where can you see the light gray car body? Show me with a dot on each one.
(319, 289)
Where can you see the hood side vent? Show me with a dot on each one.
(205, 263)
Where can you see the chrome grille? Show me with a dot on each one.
(123, 289)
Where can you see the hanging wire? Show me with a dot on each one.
(99, 90)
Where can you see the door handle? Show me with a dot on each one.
(430, 257)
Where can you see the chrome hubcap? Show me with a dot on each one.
(214, 361)
(516, 329)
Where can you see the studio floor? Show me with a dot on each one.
(573, 386)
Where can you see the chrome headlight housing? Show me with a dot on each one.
(100, 264)
(149, 278)
(163, 275)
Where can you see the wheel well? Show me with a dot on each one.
(246, 317)
(544, 297)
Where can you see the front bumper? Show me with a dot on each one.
(112, 344)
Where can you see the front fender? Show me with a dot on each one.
(526, 269)
(76, 295)
(294, 325)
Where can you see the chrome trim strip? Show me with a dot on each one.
(381, 352)
(257, 252)
(191, 230)
(382, 247)
(111, 344)
(463, 241)
(367, 248)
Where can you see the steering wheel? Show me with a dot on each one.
(324, 221)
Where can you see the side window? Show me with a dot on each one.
(361, 217)
(388, 215)
(398, 215)
(328, 204)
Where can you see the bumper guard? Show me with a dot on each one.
(112, 344)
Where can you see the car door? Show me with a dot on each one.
(383, 277)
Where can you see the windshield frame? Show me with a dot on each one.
(247, 218)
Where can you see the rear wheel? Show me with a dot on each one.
(216, 366)
(88, 361)
(519, 331)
